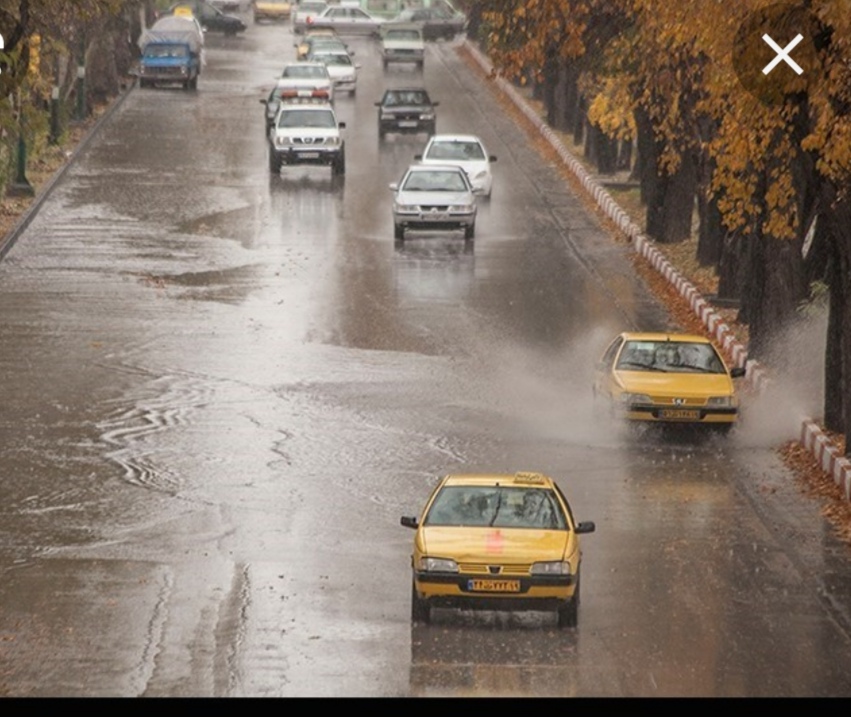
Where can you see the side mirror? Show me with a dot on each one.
(341, 125)
(418, 157)
(492, 158)
(409, 521)
(394, 186)
(435, 104)
(738, 372)
(377, 104)
(586, 527)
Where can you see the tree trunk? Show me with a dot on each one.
(774, 288)
(710, 233)
(730, 270)
(679, 190)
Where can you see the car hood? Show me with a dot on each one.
(431, 198)
(480, 545)
(680, 384)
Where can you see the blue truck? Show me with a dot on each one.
(172, 53)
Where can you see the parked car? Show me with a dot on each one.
(468, 152)
(403, 43)
(211, 18)
(440, 21)
(666, 378)
(497, 542)
(272, 10)
(406, 110)
(434, 197)
(347, 20)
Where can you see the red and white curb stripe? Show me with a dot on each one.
(812, 436)
(832, 463)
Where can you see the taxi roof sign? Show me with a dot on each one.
(529, 478)
(183, 11)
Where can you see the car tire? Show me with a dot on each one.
(568, 614)
(470, 232)
(399, 232)
(381, 133)
(275, 163)
(338, 168)
(420, 609)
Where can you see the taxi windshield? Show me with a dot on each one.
(675, 356)
(497, 507)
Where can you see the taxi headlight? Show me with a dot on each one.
(437, 565)
(722, 401)
(332, 141)
(635, 399)
(401, 207)
(554, 567)
(462, 208)
(283, 141)
(427, 116)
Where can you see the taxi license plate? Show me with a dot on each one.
(309, 155)
(494, 586)
(680, 414)
(407, 123)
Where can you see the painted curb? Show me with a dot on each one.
(8, 241)
(811, 436)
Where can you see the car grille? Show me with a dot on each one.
(176, 71)
(488, 569)
(434, 207)
(314, 141)
(406, 116)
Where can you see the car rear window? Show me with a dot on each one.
(456, 151)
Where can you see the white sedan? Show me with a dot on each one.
(342, 69)
(434, 197)
(466, 151)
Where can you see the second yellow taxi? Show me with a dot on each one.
(667, 378)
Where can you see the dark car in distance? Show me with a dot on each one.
(211, 18)
(406, 110)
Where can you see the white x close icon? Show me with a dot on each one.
(782, 54)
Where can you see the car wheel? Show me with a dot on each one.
(470, 231)
(420, 609)
(339, 166)
(381, 133)
(275, 163)
(399, 232)
(568, 614)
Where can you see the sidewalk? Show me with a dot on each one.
(718, 322)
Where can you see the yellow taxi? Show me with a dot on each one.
(272, 10)
(317, 34)
(496, 542)
(667, 378)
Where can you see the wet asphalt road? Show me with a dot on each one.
(221, 389)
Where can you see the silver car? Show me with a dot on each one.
(434, 197)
